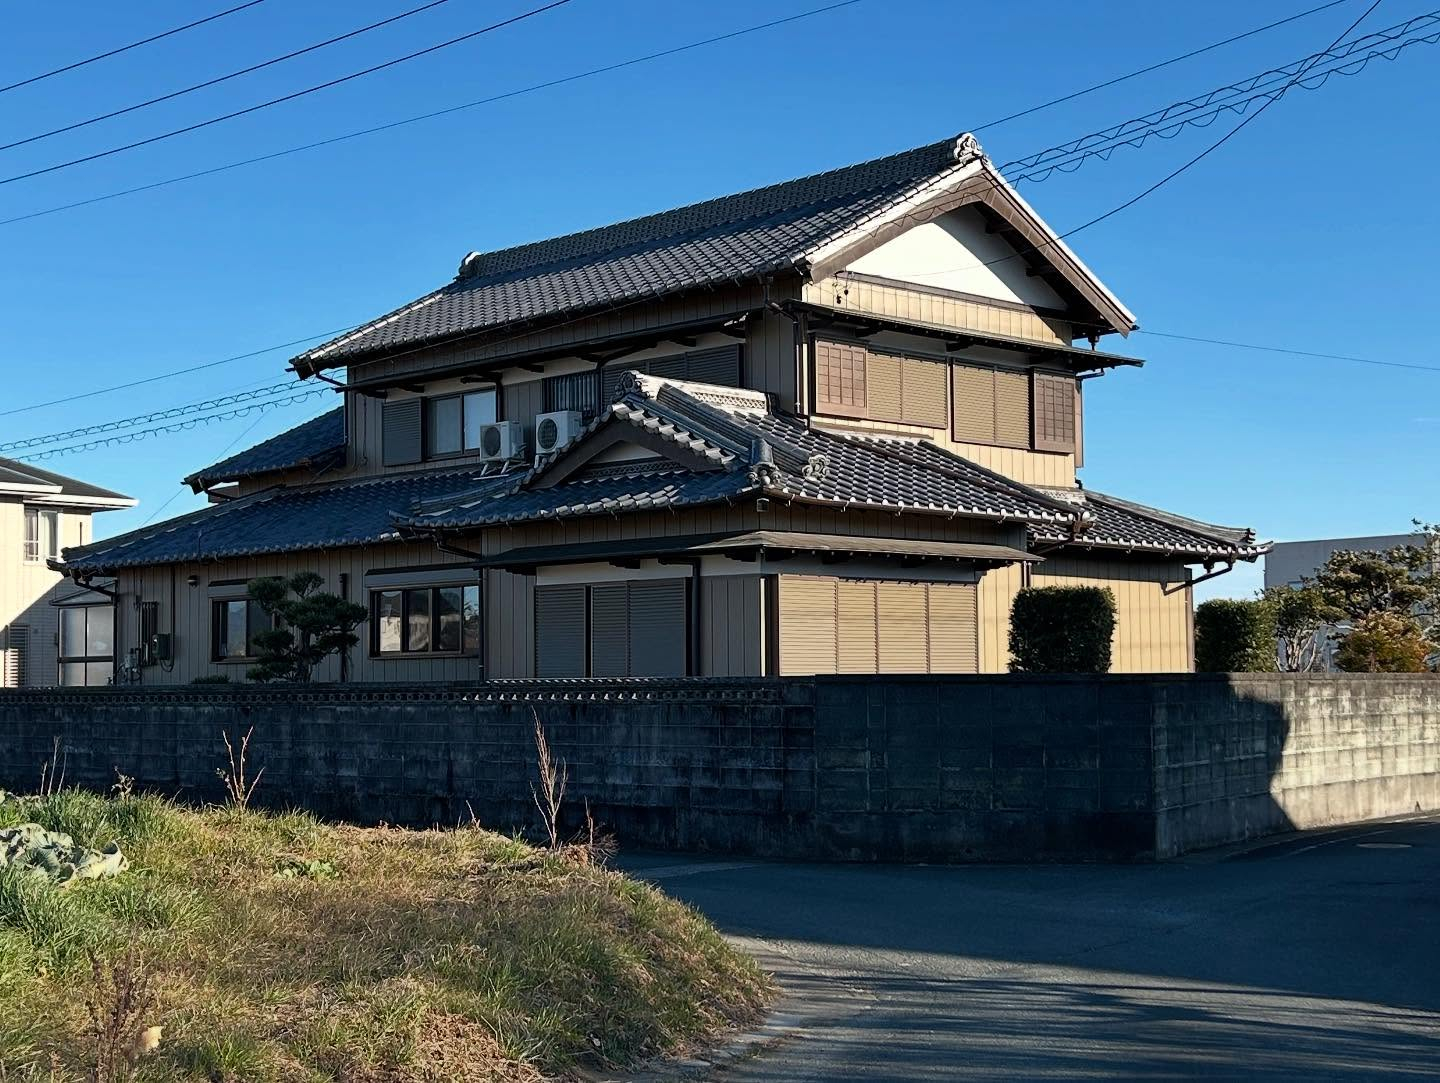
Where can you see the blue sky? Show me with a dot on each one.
(1313, 229)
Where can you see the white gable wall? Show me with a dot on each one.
(952, 253)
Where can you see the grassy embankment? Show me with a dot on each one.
(273, 947)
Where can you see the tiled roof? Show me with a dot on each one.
(754, 452)
(763, 231)
(23, 476)
(1123, 524)
(317, 442)
(275, 520)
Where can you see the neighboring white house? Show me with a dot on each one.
(50, 633)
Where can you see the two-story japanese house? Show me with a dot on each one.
(831, 425)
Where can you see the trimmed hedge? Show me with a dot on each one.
(1062, 630)
(1233, 636)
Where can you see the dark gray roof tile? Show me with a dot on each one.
(318, 442)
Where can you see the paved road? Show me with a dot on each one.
(1315, 958)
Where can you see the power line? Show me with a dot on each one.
(1218, 143)
(218, 458)
(250, 394)
(1293, 352)
(132, 45)
(222, 78)
(178, 372)
(437, 113)
(1154, 67)
(288, 97)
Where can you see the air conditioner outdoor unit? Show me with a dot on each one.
(555, 430)
(503, 441)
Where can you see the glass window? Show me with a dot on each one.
(236, 621)
(479, 412)
(447, 618)
(470, 610)
(32, 534)
(50, 534)
(388, 622)
(87, 644)
(417, 620)
(424, 620)
(445, 427)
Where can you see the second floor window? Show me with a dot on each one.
(453, 422)
(42, 535)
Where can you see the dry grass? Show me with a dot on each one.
(280, 949)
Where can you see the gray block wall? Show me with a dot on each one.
(831, 768)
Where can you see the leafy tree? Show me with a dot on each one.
(1299, 618)
(311, 625)
(1062, 630)
(1383, 642)
(1234, 636)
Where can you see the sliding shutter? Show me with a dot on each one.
(659, 629)
(903, 629)
(972, 392)
(806, 625)
(560, 621)
(1012, 408)
(840, 379)
(953, 626)
(855, 629)
(884, 379)
(609, 630)
(574, 391)
(401, 432)
(1054, 412)
(718, 365)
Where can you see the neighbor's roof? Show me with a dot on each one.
(728, 444)
(318, 442)
(735, 238)
(277, 520)
(1123, 524)
(49, 487)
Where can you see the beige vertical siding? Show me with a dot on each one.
(26, 592)
(998, 588)
(937, 308)
(1152, 628)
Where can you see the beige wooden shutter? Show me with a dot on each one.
(1054, 412)
(954, 628)
(883, 387)
(659, 628)
(560, 631)
(807, 629)
(972, 392)
(609, 630)
(1012, 408)
(840, 379)
(903, 628)
(855, 627)
(401, 432)
(922, 392)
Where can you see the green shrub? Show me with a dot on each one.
(211, 678)
(1062, 630)
(1235, 636)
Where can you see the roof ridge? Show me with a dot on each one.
(1241, 535)
(484, 262)
(216, 467)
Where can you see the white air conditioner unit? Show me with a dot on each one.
(554, 431)
(503, 441)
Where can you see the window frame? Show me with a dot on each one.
(87, 659)
(34, 548)
(470, 649)
(427, 424)
(217, 623)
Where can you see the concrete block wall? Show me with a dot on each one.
(926, 768)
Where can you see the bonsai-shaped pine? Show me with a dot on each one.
(310, 625)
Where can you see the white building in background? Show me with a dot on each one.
(51, 632)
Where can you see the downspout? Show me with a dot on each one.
(1211, 573)
(696, 612)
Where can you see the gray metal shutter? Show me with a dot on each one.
(574, 391)
(401, 432)
(609, 630)
(659, 628)
(718, 365)
(560, 631)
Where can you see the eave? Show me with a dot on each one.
(1073, 357)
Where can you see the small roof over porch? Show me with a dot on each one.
(750, 545)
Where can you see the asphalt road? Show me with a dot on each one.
(1315, 958)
